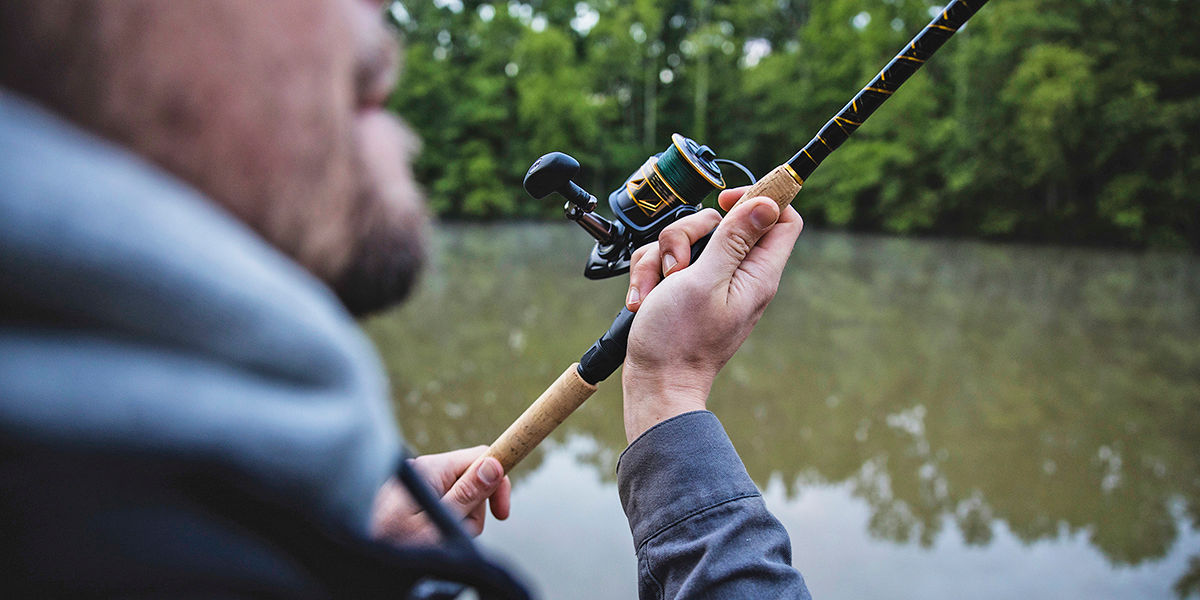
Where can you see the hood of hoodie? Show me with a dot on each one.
(137, 317)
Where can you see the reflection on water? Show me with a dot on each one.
(927, 399)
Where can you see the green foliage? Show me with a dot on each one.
(1064, 121)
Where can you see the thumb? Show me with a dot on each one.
(737, 234)
(474, 487)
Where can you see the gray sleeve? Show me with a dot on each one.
(699, 524)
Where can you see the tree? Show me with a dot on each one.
(1041, 120)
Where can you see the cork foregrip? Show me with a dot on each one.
(547, 412)
(779, 185)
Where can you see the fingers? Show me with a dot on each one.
(644, 274)
(736, 236)
(475, 520)
(673, 251)
(778, 242)
(466, 497)
(466, 484)
(763, 268)
(501, 501)
(473, 523)
(727, 198)
(675, 241)
(443, 469)
(776, 246)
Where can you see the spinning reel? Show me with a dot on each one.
(669, 186)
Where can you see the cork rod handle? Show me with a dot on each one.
(555, 404)
(780, 185)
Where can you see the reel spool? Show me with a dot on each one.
(667, 187)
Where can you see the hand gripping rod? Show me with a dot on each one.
(578, 382)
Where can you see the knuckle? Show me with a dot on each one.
(681, 223)
(642, 269)
(464, 495)
(673, 226)
(740, 243)
(697, 223)
(670, 235)
(640, 253)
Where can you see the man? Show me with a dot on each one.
(187, 410)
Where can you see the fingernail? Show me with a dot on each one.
(634, 296)
(489, 471)
(669, 263)
(762, 217)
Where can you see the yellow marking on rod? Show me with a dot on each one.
(825, 142)
(916, 60)
(793, 173)
(945, 15)
(880, 91)
(836, 120)
(854, 106)
(964, 3)
(810, 156)
(841, 118)
(942, 27)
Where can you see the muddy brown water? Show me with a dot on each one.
(934, 419)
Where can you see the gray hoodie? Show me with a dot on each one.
(184, 409)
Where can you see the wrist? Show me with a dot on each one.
(651, 396)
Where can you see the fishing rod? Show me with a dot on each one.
(667, 187)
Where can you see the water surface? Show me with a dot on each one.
(932, 419)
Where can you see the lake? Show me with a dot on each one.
(928, 418)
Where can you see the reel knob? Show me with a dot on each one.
(553, 173)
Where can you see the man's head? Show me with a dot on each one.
(274, 110)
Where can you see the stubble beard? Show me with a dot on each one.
(391, 222)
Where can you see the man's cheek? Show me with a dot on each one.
(386, 148)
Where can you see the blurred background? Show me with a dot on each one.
(980, 376)
(1056, 121)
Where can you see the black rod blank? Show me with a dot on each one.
(852, 116)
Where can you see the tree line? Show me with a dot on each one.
(1061, 121)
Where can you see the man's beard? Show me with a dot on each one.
(389, 249)
(383, 267)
